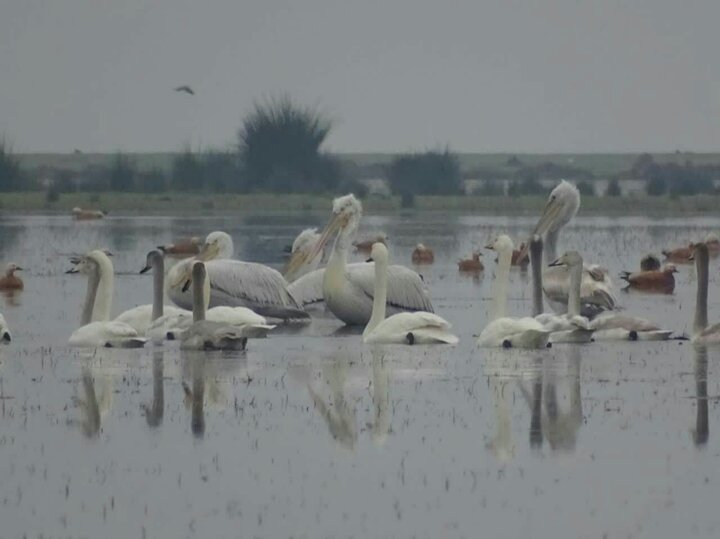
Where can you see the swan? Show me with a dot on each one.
(207, 334)
(418, 327)
(347, 289)
(5, 336)
(571, 327)
(596, 288)
(96, 327)
(234, 283)
(305, 241)
(702, 334)
(504, 331)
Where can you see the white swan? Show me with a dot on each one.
(305, 242)
(596, 288)
(5, 336)
(570, 327)
(347, 289)
(702, 334)
(234, 283)
(504, 331)
(403, 328)
(97, 329)
(206, 334)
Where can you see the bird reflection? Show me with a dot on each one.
(95, 402)
(701, 432)
(154, 412)
(195, 395)
(11, 297)
(380, 397)
(502, 444)
(559, 427)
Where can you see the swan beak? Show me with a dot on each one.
(6, 337)
(490, 246)
(145, 269)
(370, 260)
(287, 249)
(299, 258)
(73, 270)
(556, 262)
(186, 286)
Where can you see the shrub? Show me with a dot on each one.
(152, 181)
(490, 188)
(586, 188)
(122, 173)
(427, 173)
(527, 186)
(656, 186)
(11, 176)
(613, 188)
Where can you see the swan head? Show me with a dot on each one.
(218, 244)
(346, 215)
(501, 244)
(12, 268)
(154, 259)
(90, 263)
(570, 259)
(379, 253)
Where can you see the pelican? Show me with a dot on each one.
(87, 215)
(570, 327)
(10, 281)
(422, 255)
(305, 241)
(702, 334)
(235, 283)
(5, 336)
(596, 288)
(96, 327)
(184, 248)
(418, 327)
(504, 331)
(348, 289)
(205, 334)
(652, 280)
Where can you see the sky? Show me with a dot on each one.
(394, 75)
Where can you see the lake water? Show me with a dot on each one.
(312, 434)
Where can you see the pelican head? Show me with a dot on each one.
(305, 239)
(501, 244)
(562, 205)
(12, 268)
(346, 214)
(217, 245)
(154, 258)
(569, 259)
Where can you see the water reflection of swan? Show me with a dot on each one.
(95, 403)
(155, 412)
(380, 397)
(701, 432)
(701, 332)
(97, 329)
(195, 394)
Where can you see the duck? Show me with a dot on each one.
(365, 246)
(422, 255)
(87, 215)
(652, 280)
(10, 281)
(184, 248)
(471, 264)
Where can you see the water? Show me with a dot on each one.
(311, 434)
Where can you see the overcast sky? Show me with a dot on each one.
(477, 75)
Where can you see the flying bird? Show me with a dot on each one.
(185, 88)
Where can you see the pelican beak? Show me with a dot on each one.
(299, 258)
(145, 270)
(207, 252)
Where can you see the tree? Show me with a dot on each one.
(122, 173)
(280, 148)
(187, 174)
(427, 173)
(613, 188)
(11, 176)
(656, 186)
(586, 188)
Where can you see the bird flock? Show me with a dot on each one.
(208, 300)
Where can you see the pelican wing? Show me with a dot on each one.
(308, 289)
(405, 288)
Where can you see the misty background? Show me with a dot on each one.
(556, 75)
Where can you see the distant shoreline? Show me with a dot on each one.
(172, 203)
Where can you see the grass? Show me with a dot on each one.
(197, 203)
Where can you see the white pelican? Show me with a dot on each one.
(205, 334)
(235, 283)
(96, 327)
(305, 241)
(596, 289)
(348, 289)
(702, 334)
(504, 331)
(5, 336)
(570, 327)
(418, 327)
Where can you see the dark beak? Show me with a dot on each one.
(186, 286)
(145, 269)
(73, 270)
(18, 268)
(555, 263)
(370, 260)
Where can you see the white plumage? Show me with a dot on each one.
(305, 243)
(403, 328)
(5, 335)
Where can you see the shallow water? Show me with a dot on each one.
(311, 434)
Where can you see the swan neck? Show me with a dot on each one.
(200, 299)
(103, 301)
(158, 287)
(536, 253)
(90, 294)
(501, 281)
(576, 273)
(701, 314)
(379, 297)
